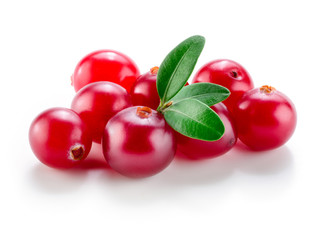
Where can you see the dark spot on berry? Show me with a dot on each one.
(77, 152)
(234, 73)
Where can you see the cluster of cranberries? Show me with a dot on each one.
(115, 106)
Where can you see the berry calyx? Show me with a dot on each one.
(144, 112)
(154, 70)
(77, 152)
(267, 89)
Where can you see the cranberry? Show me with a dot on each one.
(229, 74)
(138, 142)
(194, 149)
(144, 90)
(105, 65)
(97, 102)
(265, 118)
(59, 138)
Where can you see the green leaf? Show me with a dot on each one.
(208, 93)
(177, 67)
(194, 119)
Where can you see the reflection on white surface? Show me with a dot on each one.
(230, 172)
(56, 181)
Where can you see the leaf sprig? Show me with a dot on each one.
(186, 109)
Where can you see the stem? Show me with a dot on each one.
(162, 108)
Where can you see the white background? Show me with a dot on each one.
(241, 195)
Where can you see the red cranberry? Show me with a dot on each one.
(265, 118)
(97, 102)
(194, 149)
(144, 92)
(229, 74)
(138, 142)
(59, 138)
(105, 65)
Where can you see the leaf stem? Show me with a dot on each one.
(161, 108)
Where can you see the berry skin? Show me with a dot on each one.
(138, 142)
(265, 118)
(59, 138)
(229, 74)
(97, 102)
(194, 149)
(105, 65)
(144, 92)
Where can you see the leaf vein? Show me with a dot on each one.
(198, 96)
(182, 113)
(173, 73)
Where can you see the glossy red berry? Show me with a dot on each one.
(265, 118)
(138, 142)
(59, 138)
(144, 91)
(194, 149)
(97, 102)
(105, 65)
(229, 74)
